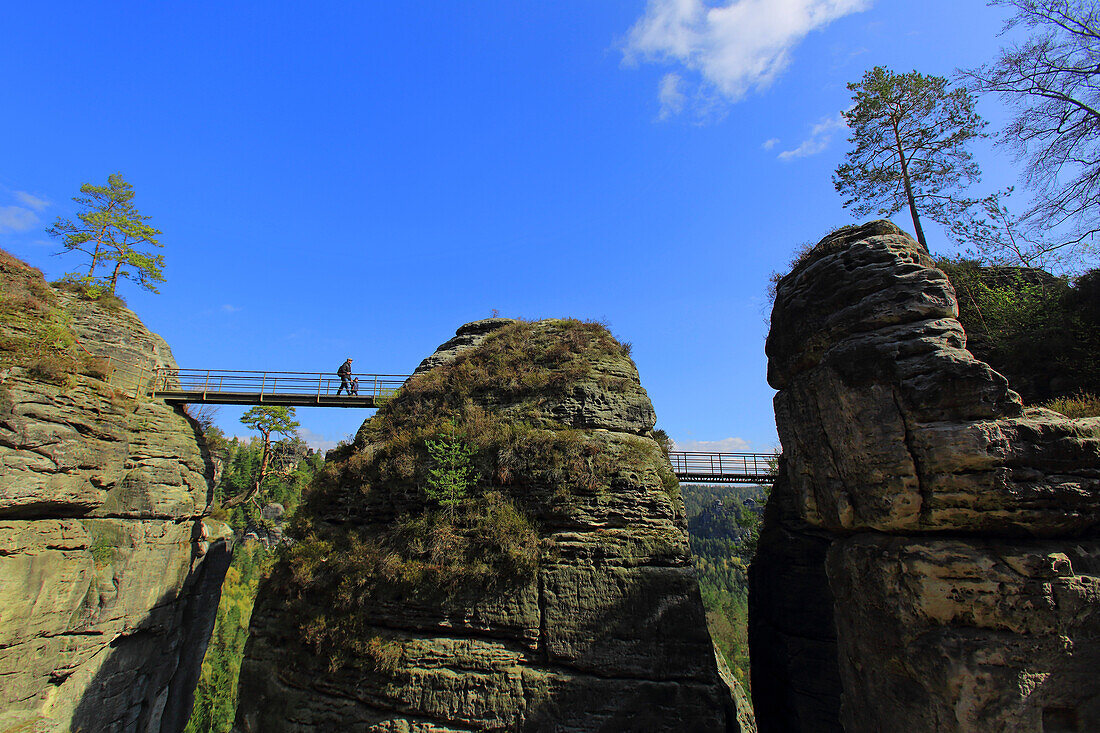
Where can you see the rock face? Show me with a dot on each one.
(559, 597)
(929, 552)
(109, 578)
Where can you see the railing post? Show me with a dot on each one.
(263, 383)
(206, 385)
(320, 376)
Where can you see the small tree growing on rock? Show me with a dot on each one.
(268, 421)
(450, 475)
(108, 228)
(910, 133)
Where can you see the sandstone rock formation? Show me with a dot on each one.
(109, 578)
(930, 550)
(560, 598)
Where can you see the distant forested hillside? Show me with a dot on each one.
(723, 524)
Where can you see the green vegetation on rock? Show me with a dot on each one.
(461, 517)
(1041, 332)
(34, 329)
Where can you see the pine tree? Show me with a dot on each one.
(910, 134)
(450, 475)
(110, 229)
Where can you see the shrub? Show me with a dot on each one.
(94, 290)
(334, 576)
(51, 368)
(103, 553)
(1037, 330)
(450, 474)
(1080, 405)
(96, 367)
(218, 512)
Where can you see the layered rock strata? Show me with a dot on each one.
(109, 578)
(558, 597)
(930, 550)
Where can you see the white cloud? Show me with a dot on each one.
(735, 46)
(770, 143)
(670, 96)
(16, 219)
(30, 200)
(725, 445)
(316, 441)
(230, 308)
(820, 136)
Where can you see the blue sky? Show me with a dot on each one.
(360, 179)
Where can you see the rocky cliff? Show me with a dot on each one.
(930, 550)
(109, 577)
(552, 591)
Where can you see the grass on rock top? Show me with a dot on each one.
(496, 394)
(34, 328)
(497, 397)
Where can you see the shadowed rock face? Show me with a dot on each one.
(109, 579)
(943, 535)
(588, 618)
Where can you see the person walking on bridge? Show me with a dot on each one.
(344, 372)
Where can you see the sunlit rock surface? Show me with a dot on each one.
(109, 577)
(602, 628)
(929, 551)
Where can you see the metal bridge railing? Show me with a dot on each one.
(697, 463)
(305, 384)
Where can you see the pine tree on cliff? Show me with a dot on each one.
(109, 229)
(910, 134)
(268, 421)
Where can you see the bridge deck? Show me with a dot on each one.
(695, 467)
(283, 399)
(706, 478)
(288, 389)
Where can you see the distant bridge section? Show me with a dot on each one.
(693, 467)
(289, 389)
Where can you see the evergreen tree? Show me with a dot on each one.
(268, 421)
(450, 475)
(109, 229)
(910, 134)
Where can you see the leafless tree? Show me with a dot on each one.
(1052, 81)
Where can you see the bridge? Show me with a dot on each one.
(318, 389)
(286, 389)
(696, 467)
